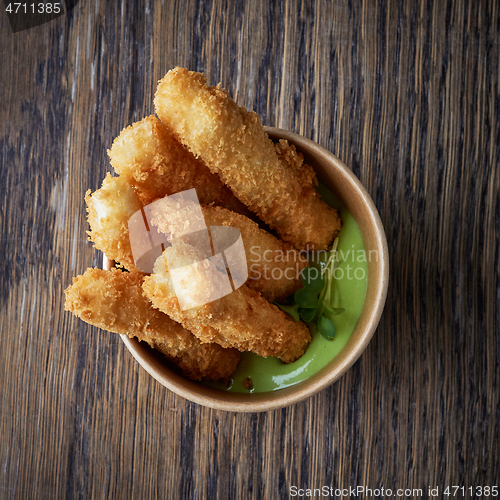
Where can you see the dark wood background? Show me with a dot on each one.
(407, 94)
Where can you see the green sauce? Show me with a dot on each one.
(348, 292)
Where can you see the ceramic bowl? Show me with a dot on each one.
(339, 179)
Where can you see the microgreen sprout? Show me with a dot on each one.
(312, 303)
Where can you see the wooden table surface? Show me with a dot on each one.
(407, 94)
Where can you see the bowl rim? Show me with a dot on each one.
(266, 401)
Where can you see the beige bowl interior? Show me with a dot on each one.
(337, 177)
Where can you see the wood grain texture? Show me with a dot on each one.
(407, 95)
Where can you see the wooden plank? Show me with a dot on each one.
(407, 95)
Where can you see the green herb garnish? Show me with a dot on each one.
(312, 302)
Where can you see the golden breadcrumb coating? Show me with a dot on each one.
(109, 209)
(157, 164)
(273, 266)
(242, 319)
(273, 183)
(114, 301)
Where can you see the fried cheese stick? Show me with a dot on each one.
(241, 319)
(109, 210)
(273, 182)
(273, 266)
(114, 301)
(157, 164)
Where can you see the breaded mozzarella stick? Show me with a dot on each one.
(273, 266)
(241, 319)
(114, 301)
(233, 144)
(157, 164)
(109, 209)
